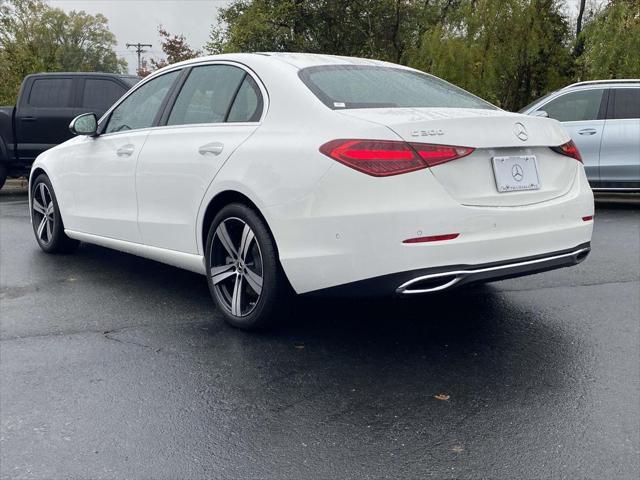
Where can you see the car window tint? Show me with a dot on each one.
(247, 107)
(360, 86)
(575, 106)
(206, 95)
(50, 92)
(100, 94)
(626, 103)
(139, 109)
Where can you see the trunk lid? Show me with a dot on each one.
(471, 180)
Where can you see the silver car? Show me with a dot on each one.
(603, 119)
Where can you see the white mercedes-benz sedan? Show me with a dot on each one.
(274, 173)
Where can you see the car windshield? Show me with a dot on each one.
(364, 86)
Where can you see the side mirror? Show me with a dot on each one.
(540, 113)
(85, 124)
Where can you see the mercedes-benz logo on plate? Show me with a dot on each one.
(521, 132)
(517, 173)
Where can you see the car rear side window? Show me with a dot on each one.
(364, 86)
(207, 95)
(139, 109)
(626, 104)
(100, 94)
(247, 106)
(50, 92)
(575, 106)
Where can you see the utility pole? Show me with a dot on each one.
(139, 50)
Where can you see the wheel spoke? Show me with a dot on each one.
(43, 196)
(38, 207)
(41, 227)
(50, 207)
(236, 299)
(254, 280)
(221, 273)
(245, 243)
(225, 239)
(49, 229)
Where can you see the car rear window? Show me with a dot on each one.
(206, 95)
(50, 93)
(365, 86)
(100, 94)
(626, 104)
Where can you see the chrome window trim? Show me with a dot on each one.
(263, 90)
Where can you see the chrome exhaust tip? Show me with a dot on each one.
(430, 283)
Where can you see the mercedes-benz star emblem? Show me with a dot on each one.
(517, 173)
(520, 131)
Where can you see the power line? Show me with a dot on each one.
(139, 50)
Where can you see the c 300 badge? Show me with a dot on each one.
(427, 133)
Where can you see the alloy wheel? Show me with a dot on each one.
(43, 213)
(236, 267)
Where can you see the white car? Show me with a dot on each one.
(272, 172)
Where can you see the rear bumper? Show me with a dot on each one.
(352, 231)
(438, 279)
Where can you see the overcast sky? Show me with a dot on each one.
(134, 21)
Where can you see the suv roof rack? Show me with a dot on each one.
(599, 82)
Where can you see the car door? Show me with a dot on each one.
(620, 152)
(217, 108)
(44, 113)
(100, 171)
(582, 115)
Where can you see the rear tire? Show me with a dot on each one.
(244, 274)
(46, 220)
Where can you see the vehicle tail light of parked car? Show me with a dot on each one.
(569, 149)
(382, 158)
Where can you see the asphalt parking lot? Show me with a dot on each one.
(113, 366)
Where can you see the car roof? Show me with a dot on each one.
(82, 74)
(296, 60)
(603, 83)
(304, 60)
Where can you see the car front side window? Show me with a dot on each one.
(575, 106)
(139, 109)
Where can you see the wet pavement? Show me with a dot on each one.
(114, 366)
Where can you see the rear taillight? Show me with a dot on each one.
(569, 149)
(382, 158)
(437, 154)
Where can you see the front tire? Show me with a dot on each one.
(243, 271)
(3, 175)
(46, 220)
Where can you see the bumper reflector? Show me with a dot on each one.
(433, 238)
(587, 218)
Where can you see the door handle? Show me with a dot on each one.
(28, 119)
(213, 148)
(587, 131)
(125, 150)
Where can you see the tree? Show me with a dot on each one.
(371, 28)
(175, 47)
(35, 37)
(583, 4)
(611, 42)
(507, 51)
